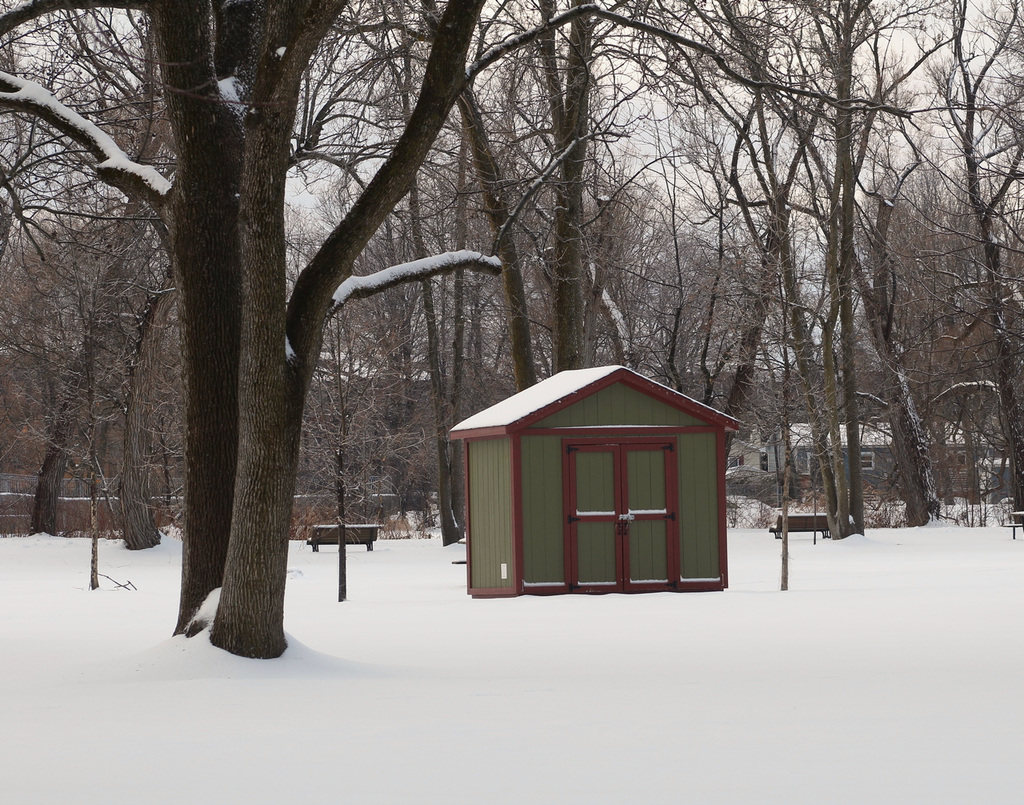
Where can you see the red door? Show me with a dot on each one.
(621, 516)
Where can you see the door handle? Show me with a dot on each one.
(627, 517)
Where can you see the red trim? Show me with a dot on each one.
(568, 482)
(619, 448)
(619, 432)
(672, 526)
(723, 551)
(481, 433)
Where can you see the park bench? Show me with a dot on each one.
(357, 534)
(1016, 521)
(802, 522)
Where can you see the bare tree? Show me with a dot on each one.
(983, 99)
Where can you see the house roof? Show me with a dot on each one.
(565, 388)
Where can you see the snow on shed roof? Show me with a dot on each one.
(538, 396)
(556, 388)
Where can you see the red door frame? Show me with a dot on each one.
(618, 448)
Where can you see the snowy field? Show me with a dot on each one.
(892, 672)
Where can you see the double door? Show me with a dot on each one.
(621, 516)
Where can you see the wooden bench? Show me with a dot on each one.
(357, 534)
(802, 522)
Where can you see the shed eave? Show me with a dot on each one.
(472, 434)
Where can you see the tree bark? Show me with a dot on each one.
(205, 257)
(909, 439)
(570, 119)
(489, 175)
(450, 531)
(138, 524)
(49, 482)
(985, 208)
(248, 350)
(273, 377)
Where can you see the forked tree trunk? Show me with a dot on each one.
(280, 344)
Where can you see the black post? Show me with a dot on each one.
(340, 471)
(342, 553)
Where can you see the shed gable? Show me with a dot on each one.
(618, 404)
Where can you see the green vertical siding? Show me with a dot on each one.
(645, 479)
(543, 513)
(595, 482)
(617, 405)
(490, 513)
(595, 546)
(648, 551)
(698, 506)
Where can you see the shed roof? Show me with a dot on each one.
(564, 389)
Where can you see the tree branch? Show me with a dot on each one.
(114, 166)
(443, 81)
(33, 9)
(370, 284)
(496, 52)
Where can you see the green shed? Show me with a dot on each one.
(595, 480)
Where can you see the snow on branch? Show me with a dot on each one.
(968, 386)
(612, 309)
(114, 165)
(361, 287)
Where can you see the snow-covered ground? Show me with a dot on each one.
(892, 672)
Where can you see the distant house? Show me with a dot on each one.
(596, 480)
(877, 462)
(961, 469)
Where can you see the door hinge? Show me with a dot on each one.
(571, 449)
(573, 519)
(670, 447)
(671, 516)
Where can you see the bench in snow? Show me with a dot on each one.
(802, 522)
(357, 534)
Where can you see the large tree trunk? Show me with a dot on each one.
(909, 440)
(1006, 363)
(802, 349)
(48, 482)
(203, 237)
(280, 345)
(450, 531)
(137, 522)
(489, 175)
(854, 524)
(570, 120)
